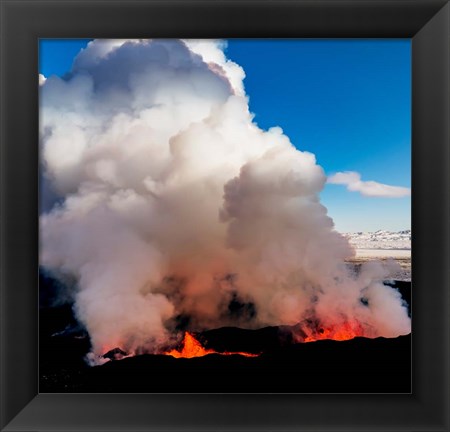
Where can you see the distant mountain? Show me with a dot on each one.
(380, 239)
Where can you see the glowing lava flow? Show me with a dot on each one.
(345, 331)
(193, 348)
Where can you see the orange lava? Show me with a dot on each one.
(345, 331)
(193, 348)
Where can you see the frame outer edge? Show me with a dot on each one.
(18, 219)
(430, 121)
(9, 409)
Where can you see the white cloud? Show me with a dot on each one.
(353, 181)
(42, 79)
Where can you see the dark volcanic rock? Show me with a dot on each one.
(63, 344)
(252, 341)
(357, 366)
(114, 354)
(404, 287)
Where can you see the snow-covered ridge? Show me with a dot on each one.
(381, 239)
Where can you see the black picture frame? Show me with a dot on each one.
(23, 22)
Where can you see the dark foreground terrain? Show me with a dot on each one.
(359, 365)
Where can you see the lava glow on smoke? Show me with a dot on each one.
(193, 348)
(346, 331)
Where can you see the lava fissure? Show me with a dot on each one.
(193, 348)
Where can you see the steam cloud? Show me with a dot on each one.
(170, 203)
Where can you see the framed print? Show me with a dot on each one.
(170, 255)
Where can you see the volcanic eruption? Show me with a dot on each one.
(167, 211)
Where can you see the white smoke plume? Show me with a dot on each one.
(171, 202)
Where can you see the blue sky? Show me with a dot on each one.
(346, 101)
